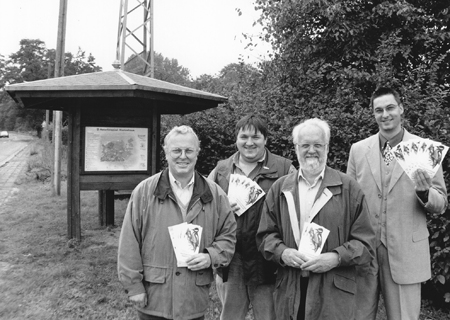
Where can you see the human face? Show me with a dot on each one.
(312, 150)
(388, 114)
(251, 144)
(182, 165)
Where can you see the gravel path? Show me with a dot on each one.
(9, 173)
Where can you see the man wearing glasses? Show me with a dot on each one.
(398, 208)
(316, 271)
(147, 265)
(249, 279)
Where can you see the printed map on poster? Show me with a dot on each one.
(116, 149)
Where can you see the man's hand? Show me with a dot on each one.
(234, 207)
(293, 258)
(322, 263)
(198, 261)
(139, 300)
(422, 180)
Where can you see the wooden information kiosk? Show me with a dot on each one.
(114, 129)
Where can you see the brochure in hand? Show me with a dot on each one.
(312, 240)
(244, 191)
(185, 241)
(422, 154)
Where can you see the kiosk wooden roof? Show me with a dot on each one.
(59, 93)
(109, 99)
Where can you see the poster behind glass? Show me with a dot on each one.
(116, 149)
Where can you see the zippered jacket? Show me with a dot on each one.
(146, 258)
(340, 206)
(256, 269)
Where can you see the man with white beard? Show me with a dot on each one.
(321, 285)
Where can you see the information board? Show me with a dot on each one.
(116, 149)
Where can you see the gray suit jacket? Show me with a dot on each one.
(406, 225)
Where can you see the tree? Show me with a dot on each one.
(33, 61)
(74, 64)
(165, 69)
(330, 55)
(244, 86)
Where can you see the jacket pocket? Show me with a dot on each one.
(155, 274)
(204, 277)
(420, 235)
(344, 283)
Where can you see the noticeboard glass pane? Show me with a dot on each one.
(115, 149)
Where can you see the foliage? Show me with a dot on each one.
(64, 134)
(165, 69)
(33, 61)
(330, 56)
(242, 84)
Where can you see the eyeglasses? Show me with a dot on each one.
(175, 153)
(316, 146)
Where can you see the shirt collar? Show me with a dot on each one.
(320, 176)
(392, 142)
(178, 183)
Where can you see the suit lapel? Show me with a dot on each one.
(373, 159)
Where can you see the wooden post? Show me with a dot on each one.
(109, 207)
(106, 207)
(59, 72)
(73, 175)
(101, 208)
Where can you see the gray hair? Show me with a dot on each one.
(321, 124)
(180, 130)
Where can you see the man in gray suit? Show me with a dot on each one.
(398, 208)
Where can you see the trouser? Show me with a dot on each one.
(236, 297)
(144, 316)
(402, 301)
(303, 291)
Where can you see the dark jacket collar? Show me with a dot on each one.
(331, 178)
(269, 164)
(201, 188)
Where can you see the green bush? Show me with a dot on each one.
(64, 134)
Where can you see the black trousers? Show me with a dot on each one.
(303, 290)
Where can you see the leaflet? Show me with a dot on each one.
(244, 191)
(422, 154)
(186, 239)
(313, 239)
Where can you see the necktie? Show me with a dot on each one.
(387, 154)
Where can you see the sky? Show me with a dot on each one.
(203, 35)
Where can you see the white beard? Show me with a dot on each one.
(311, 165)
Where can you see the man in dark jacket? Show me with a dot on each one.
(249, 279)
(316, 281)
(159, 282)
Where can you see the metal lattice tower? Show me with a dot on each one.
(135, 34)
